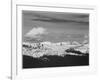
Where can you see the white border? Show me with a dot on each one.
(18, 73)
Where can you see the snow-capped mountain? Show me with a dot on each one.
(59, 49)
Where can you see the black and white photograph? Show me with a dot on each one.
(54, 39)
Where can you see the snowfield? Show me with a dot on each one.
(41, 49)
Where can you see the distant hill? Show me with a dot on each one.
(32, 40)
(56, 37)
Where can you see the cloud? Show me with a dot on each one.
(58, 17)
(61, 18)
(57, 20)
(36, 31)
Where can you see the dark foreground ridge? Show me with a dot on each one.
(55, 61)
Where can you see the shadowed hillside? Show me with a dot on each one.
(55, 61)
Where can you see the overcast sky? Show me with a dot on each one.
(55, 26)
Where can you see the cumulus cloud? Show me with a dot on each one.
(36, 31)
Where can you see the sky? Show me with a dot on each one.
(54, 26)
